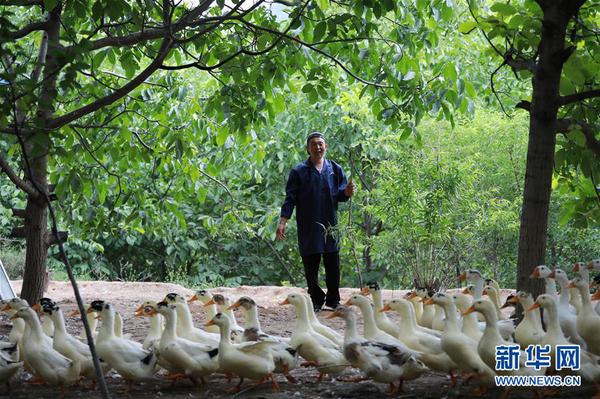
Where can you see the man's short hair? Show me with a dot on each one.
(313, 135)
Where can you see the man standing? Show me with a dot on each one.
(315, 187)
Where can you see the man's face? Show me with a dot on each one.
(317, 147)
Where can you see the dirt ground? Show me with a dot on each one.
(126, 297)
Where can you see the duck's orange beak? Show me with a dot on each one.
(90, 310)
(576, 267)
(5, 307)
(13, 317)
(411, 295)
(75, 313)
(332, 315)
(552, 274)
(349, 302)
(571, 285)
(590, 265)
(385, 308)
(139, 312)
(534, 306)
(428, 301)
(535, 274)
(284, 302)
(596, 296)
(37, 307)
(365, 291)
(209, 323)
(462, 276)
(193, 299)
(469, 311)
(235, 305)
(211, 302)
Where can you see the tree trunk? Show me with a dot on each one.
(540, 151)
(35, 278)
(37, 147)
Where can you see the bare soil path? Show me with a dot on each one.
(126, 297)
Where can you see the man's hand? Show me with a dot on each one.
(349, 190)
(281, 229)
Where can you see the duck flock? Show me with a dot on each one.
(454, 332)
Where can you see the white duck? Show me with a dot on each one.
(529, 331)
(381, 319)
(127, 357)
(543, 272)
(189, 358)
(325, 331)
(47, 324)
(44, 361)
(470, 326)
(68, 345)
(414, 299)
(506, 326)
(474, 276)
(566, 313)
(426, 319)
(433, 355)
(589, 363)
(588, 321)
(380, 362)
(486, 347)
(284, 356)
(315, 348)
(493, 283)
(148, 309)
(18, 325)
(371, 331)
(223, 303)
(460, 348)
(251, 360)
(92, 322)
(211, 310)
(185, 324)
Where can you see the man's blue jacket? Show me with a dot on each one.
(315, 196)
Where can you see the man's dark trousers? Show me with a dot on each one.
(331, 260)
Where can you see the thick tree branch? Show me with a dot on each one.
(562, 126)
(573, 98)
(32, 27)
(12, 175)
(41, 58)
(117, 94)
(185, 21)
(524, 104)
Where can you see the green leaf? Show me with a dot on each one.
(467, 26)
(450, 71)
(222, 135)
(320, 30)
(99, 57)
(201, 194)
(503, 8)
